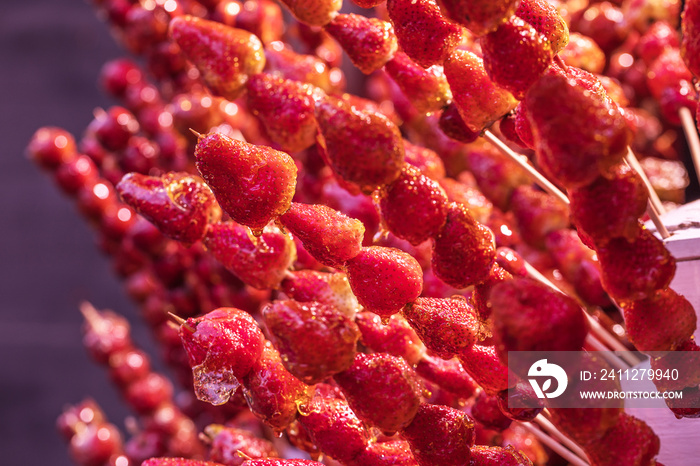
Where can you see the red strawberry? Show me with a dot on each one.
(479, 16)
(384, 279)
(582, 52)
(263, 18)
(224, 56)
(177, 462)
(299, 330)
(585, 425)
(314, 12)
(635, 270)
(480, 298)
(51, 147)
(283, 62)
(660, 36)
(529, 316)
(440, 435)
(578, 130)
(464, 251)
(630, 442)
(690, 45)
(523, 127)
(686, 360)
(520, 403)
(260, 262)
(469, 195)
(382, 390)
(498, 456)
(507, 126)
(331, 289)
(610, 207)
(423, 33)
(329, 236)
(222, 347)
(483, 365)
(286, 109)
(226, 442)
(395, 337)
(334, 428)
(427, 89)
(546, 20)
(178, 204)
(414, 207)
(660, 322)
(369, 42)
(253, 184)
(446, 326)
(486, 411)
(363, 148)
(479, 100)
(515, 56)
(389, 453)
(448, 375)
(426, 160)
(279, 462)
(666, 72)
(537, 214)
(452, 124)
(356, 206)
(273, 394)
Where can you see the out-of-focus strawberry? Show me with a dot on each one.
(369, 42)
(426, 160)
(332, 289)
(448, 375)
(440, 435)
(226, 442)
(483, 365)
(454, 127)
(496, 175)
(283, 62)
(516, 55)
(479, 16)
(630, 442)
(224, 56)
(582, 52)
(395, 337)
(690, 45)
(479, 100)
(537, 214)
(427, 89)
(585, 425)
(423, 33)
(389, 453)
(635, 270)
(498, 456)
(384, 279)
(314, 12)
(253, 184)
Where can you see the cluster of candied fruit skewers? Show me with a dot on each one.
(310, 379)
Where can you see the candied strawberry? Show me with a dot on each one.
(179, 204)
(177, 462)
(384, 279)
(483, 365)
(414, 207)
(516, 67)
(363, 148)
(660, 322)
(529, 316)
(314, 12)
(470, 196)
(523, 127)
(464, 250)
(635, 270)
(479, 16)
(286, 109)
(356, 206)
(253, 184)
(498, 456)
(520, 403)
(446, 326)
(688, 406)
(278, 462)
(578, 130)
(424, 159)
(226, 442)
(605, 23)
(389, 453)
(690, 44)
(660, 36)
(537, 214)
(585, 425)
(332, 289)
(224, 56)
(222, 347)
(329, 236)
(260, 262)
(582, 52)
(511, 261)
(686, 360)
(630, 441)
(104, 333)
(546, 20)
(369, 42)
(273, 394)
(283, 62)
(51, 147)
(508, 129)
(298, 330)
(610, 207)
(454, 127)
(486, 411)
(382, 390)
(480, 298)
(440, 435)
(334, 428)
(448, 375)
(423, 33)
(479, 100)
(94, 444)
(395, 337)
(666, 72)
(427, 89)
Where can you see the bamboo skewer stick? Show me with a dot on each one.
(656, 218)
(521, 160)
(547, 425)
(562, 451)
(612, 358)
(632, 161)
(691, 135)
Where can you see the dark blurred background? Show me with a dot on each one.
(51, 52)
